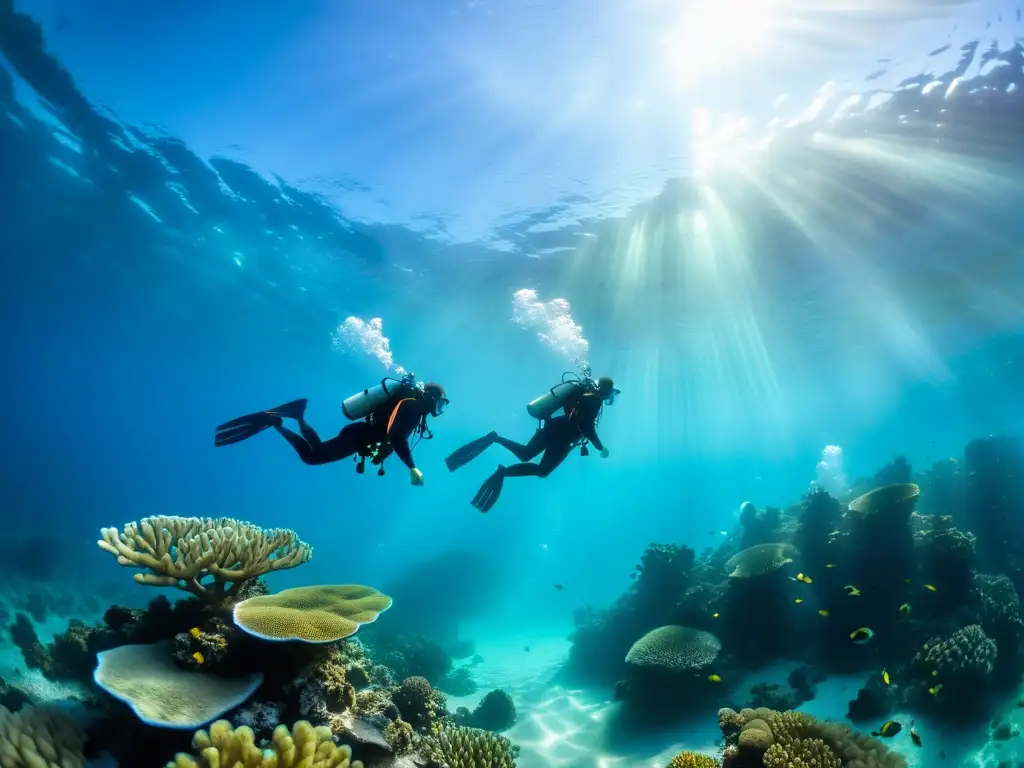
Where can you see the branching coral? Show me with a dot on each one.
(38, 737)
(302, 747)
(183, 551)
(460, 747)
(674, 648)
(692, 760)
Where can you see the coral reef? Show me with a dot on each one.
(764, 737)
(760, 560)
(758, 527)
(496, 712)
(418, 703)
(460, 747)
(40, 737)
(302, 747)
(184, 551)
(319, 614)
(692, 760)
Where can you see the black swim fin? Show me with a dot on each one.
(490, 491)
(460, 457)
(244, 427)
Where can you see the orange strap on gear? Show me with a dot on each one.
(394, 412)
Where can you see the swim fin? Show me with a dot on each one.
(244, 427)
(489, 492)
(460, 457)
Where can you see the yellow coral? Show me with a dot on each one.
(182, 551)
(321, 614)
(756, 735)
(302, 747)
(40, 737)
(811, 753)
(692, 760)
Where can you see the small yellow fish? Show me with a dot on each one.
(198, 657)
(935, 673)
(861, 635)
(904, 610)
(934, 690)
(798, 600)
(715, 678)
(930, 588)
(823, 612)
(830, 565)
(851, 590)
(804, 579)
(714, 615)
(885, 677)
(194, 632)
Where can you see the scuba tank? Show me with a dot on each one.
(362, 404)
(544, 407)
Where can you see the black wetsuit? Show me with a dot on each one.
(391, 426)
(556, 439)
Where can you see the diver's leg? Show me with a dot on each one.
(553, 456)
(531, 450)
(313, 450)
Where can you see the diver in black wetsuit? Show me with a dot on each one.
(388, 417)
(581, 408)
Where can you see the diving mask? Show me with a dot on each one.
(610, 400)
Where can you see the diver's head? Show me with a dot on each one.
(436, 398)
(606, 389)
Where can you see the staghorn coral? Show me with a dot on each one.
(40, 737)
(692, 760)
(160, 693)
(320, 614)
(968, 652)
(460, 747)
(302, 747)
(674, 648)
(182, 551)
(760, 560)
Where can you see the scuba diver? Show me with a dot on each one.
(385, 418)
(581, 401)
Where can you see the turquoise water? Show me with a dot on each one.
(800, 238)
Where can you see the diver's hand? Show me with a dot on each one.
(415, 476)
(604, 453)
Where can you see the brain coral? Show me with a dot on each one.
(760, 560)
(888, 497)
(321, 614)
(967, 651)
(146, 679)
(303, 747)
(40, 737)
(674, 648)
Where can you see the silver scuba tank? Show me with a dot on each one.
(544, 406)
(362, 404)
